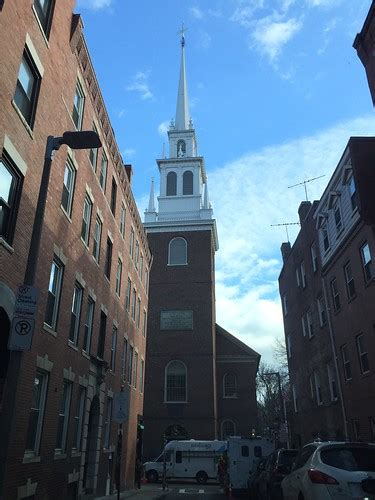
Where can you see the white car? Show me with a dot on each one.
(332, 470)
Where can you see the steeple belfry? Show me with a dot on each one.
(182, 108)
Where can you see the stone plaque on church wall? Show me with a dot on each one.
(176, 320)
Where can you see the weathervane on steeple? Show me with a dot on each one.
(182, 33)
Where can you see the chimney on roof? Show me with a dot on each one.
(285, 250)
(303, 210)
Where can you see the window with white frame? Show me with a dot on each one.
(144, 329)
(337, 215)
(103, 171)
(366, 262)
(187, 182)
(108, 258)
(112, 364)
(86, 219)
(10, 192)
(102, 334)
(78, 105)
(97, 239)
(68, 187)
(135, 367)
(175, 382)
(322, 311)
(295, 400)
(108, 423)
(318, 389)
(54, 292)
(228, 429)
(230, 385)
(314, 257)
(118, 276)
(352, 192)
(124, 358)
(134, 303)
(335, 295)
(79, 418)
(44, 11)
(177, 252)
(128, 293)
(297, 277)
(27, 88)
(75, 314)
(310, 324)
(289, 346)
(89, 323)
(304, 325)
(349, 280)
(93, 154)
(303, 274)
(362, 354)
(325, 236)
(36, 417)
(312, 387)
(130, 365)
(63, 417)
(141, 267)
(136, 258)
(138, 313)
(141, 376)
(122, 220)
(131, 243)
(332, 382)
(346, 362)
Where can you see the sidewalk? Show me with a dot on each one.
(147, 492)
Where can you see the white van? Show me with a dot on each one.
(187, 459)
(243, 457)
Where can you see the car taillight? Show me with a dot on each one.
(319, 477)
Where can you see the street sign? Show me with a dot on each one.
(23, 323)
(121, 406)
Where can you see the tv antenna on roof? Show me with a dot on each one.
(305, 182)
(286, 224)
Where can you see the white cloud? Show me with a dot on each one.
(121, 113)
(323, 3)
(270, 35)
(196, 12)
(244, 15)
(163, 128)
(330, 26)
(140, 84)
(215, 13)
(129, 153)
(251, 193)
(204, 40)
(94, 4)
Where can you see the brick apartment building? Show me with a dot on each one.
(316, 405)
(333, 314)
(58, 440)
(200, 379)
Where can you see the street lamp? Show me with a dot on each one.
(75, 140)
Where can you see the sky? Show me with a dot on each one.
(275, 90)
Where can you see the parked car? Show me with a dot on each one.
(332, 470)
(253, 480)
(277, 467)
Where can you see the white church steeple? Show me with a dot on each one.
(183, 197)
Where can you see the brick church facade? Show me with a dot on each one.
(200, 379)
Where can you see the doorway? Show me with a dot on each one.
(92, 448)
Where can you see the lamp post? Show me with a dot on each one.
(75, 140)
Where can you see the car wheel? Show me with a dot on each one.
(201, 477)
(152, 476)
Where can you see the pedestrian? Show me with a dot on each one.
(138, 472)
(222, 471)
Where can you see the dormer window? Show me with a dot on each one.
(181, 149)
(171, 184)
(187, 182)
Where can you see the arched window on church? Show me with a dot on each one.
(171, 184)
(187, 182)
(181, 149)
(175, 382)
(229, 385)
(228, 428)
(177, 254)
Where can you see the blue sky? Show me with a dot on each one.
(275, 92)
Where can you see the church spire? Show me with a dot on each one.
(151, 202)
(182, 110)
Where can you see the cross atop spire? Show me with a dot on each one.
(182, 109)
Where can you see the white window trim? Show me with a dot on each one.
(235, 395)
(186, 252)
(165, 382)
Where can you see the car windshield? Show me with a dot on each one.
(286, 457)
(350, 458)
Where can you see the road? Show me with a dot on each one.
(191, 491)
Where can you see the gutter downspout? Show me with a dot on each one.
(331, 334)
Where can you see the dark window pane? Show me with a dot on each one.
(171, 184)
(350, 458)
(188, 182)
